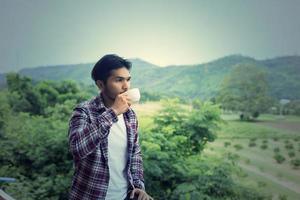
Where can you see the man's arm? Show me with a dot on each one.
(84, 136)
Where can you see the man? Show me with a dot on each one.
(103, 139)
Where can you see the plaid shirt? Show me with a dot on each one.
(88, 142)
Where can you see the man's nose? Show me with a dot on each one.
(126, 85)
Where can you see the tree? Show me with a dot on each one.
(174, 167)
(179, 132)
(23, 96)
(245, 89)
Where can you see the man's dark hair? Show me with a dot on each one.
(106, 64)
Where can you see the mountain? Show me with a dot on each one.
(202, 80)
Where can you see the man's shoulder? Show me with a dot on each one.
(90, 104)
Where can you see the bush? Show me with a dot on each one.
(286, 141)
(265, 141)
(275, 139)
(282, 197)
(289, 146)
(226, 144)
(276, 149)
(261, 184)
(238, 146)
(295, 163)
(264, 146)
(252, 144)
(279, 158)
(232, 156)
(291, 154)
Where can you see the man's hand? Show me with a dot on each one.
(140, 194)
(121, 104)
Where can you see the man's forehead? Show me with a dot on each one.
(121, 72)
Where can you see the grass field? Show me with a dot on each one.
(253, 145)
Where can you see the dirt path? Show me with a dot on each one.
(287, 184)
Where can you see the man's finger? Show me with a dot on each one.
(132, 194)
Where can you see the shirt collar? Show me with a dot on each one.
(99, 102)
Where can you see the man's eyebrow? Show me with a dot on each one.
(121, 77)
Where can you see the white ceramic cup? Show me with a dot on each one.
(134, 95)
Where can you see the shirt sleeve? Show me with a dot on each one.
(137, 163)
(85, 134)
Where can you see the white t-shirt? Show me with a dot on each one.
(117, 159)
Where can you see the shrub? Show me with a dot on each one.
(282, 197)
(289, 146)
(276, 149)
(286, 141)
(252, 144)
(275, 138)
(265, 141)
(295, 163)
(238, 146)
(291, 154)
(261, 184)
(253, 139)
(279, 158)
(226, 144)
(232, 156)
(264, 146)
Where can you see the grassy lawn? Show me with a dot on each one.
(257, 162)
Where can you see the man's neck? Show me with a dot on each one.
(108, 102)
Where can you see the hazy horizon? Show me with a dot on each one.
(93, 62)
(46, 33)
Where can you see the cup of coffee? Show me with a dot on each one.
(134, 95)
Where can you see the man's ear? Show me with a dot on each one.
(100, 84)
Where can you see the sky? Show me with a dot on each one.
(163, 32)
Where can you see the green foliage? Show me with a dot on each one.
(173, 167)
(279, 158)
(23, 97)
(282, 197)
(34, 146)
(4, 112)
(238, 146)
(291, 154)
(226, 144)
(276, 149)
(295, 163)
(36, 154)
(252, 144)
(264, 146)
(148, 96)
(289, 146)
(245, 90)
(265, 141)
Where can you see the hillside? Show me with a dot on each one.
(191, 81)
